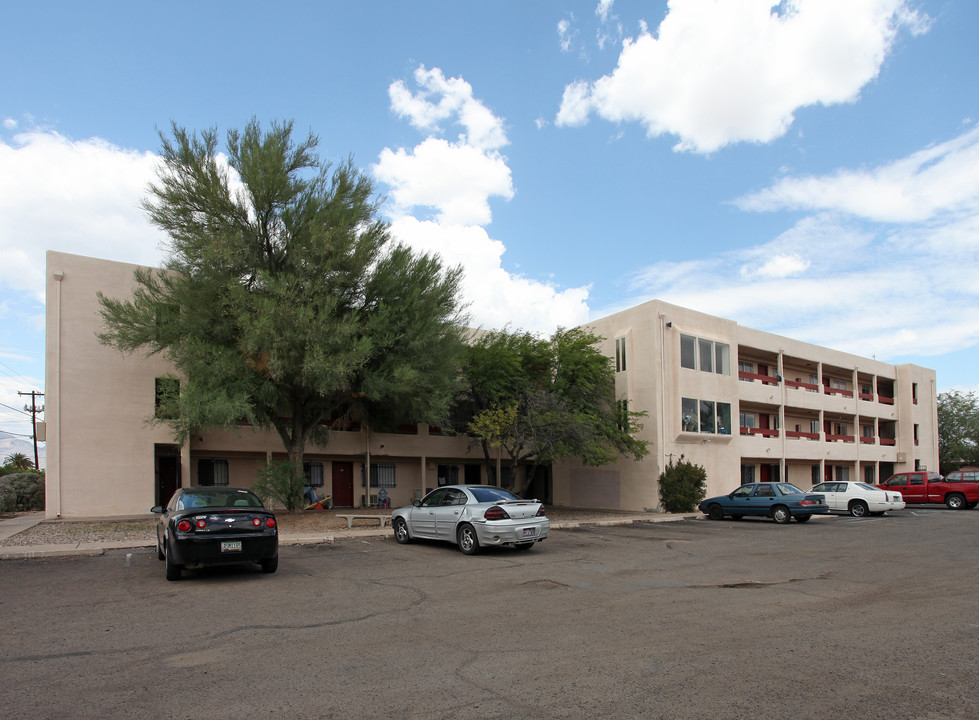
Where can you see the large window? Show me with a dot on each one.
(705, 355)
(705, 416)
(314, 473)
(382, 475)
(212, 472)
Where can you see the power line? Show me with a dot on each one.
(22, 412)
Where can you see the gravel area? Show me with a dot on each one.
(69, 532)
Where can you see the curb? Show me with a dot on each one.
(30, 552)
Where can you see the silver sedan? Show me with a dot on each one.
(472, 517)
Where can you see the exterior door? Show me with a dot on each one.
(167, 472)
(343, 484)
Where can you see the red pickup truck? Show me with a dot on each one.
(930, 487)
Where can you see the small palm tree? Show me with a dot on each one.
(18, 461)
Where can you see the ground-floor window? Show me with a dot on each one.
(868, 474)
(212, 472)
(382, 475)
(314, 473)
(747, 474)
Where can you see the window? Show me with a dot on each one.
(723, 418)
(745, 367)
(748, 420)
(688, 353)
(689, 415)
(620, 354)
(706, 355)
(212, 472)
(814, 474)
(706, 416)
(842, 473)
(814, 427)
(382, 475)
(868, 474)
(167, 395)
(314, 473)
(622, 413)
(722, 358)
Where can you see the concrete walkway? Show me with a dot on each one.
(12, 526)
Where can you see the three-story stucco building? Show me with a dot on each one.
(745, 404)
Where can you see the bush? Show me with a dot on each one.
(22, 491)
(682, 486)
(283, 482)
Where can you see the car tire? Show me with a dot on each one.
(159, 551)
(715, 512)
(401, 533)
(269, 565)
(524, 546)
(781, 514)
(737, 517)
(173, 570)
(468, 542)
(802, 518)
(971, 505)
(858, 508)
(955, 501)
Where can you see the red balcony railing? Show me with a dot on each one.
(798, 434)
(798, 384)
(888, 441)
(838, 391)
(867, 440)
(758, 431)
(886, 400)
(767, 379)
(843, 438)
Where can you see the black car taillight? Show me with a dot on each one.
(201, 523)
(256, 522)
(183, 526)
(270, 522)
(496, 513)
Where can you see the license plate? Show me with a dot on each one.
(231, 546)
(529, 532)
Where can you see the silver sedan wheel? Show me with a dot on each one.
(468, 542)
(401, 531)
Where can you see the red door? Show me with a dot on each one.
(343, 484)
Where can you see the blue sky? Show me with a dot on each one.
(808, 167)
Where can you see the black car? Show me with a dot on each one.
(215, 526)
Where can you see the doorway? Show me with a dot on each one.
(343, 484)
(167, 467)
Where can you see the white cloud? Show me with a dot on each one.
(939, 179)
(457, 178)
(74, 196)
(861, 274)
(717, 73)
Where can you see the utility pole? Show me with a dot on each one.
(33, 409)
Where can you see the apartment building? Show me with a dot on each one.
(746, 405)
(751, 406)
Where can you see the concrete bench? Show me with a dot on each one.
(350, 518)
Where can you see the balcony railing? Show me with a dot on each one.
(799, 434)
(868, 440)
(838, 391)
(812, 387)
(867, 396)
(767, 379)
(758, 431)
(886, 400)
(888, 441)
(840, 438)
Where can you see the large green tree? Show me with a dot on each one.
(284, 302)
(543, 400)
(958, 429)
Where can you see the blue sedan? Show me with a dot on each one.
(777, 500)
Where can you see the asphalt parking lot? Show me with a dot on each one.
(868, 618)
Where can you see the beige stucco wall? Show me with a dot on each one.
(100, 440)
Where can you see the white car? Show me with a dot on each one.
(472, 516)
(859, 498)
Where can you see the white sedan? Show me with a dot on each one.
(472, 516)
(859, 498)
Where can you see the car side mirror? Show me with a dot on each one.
(158, 509)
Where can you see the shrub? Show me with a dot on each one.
(682, 486)
(24, 491)
(283, 482)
